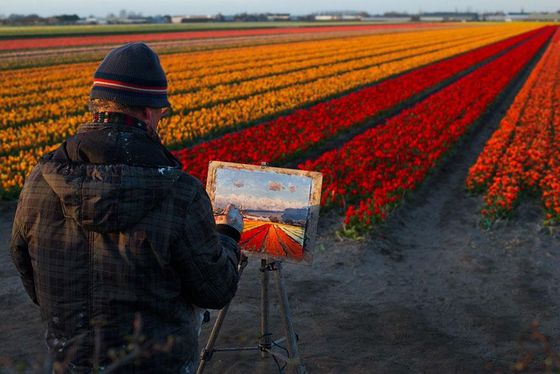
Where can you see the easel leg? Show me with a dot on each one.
(209, 348)
(294, 365)
(207, 352)
(265, 341)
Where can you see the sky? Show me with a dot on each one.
(181, 7)
(258, 190)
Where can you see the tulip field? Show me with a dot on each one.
(522, 156)
(374, 112)
(382, 164)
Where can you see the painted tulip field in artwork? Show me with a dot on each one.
(279, 207)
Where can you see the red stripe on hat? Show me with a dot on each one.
(128, 86)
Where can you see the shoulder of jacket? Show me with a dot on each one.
(188, 186)
(33, 180)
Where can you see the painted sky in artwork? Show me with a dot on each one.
(256, 190)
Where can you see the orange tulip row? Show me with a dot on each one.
(523, 153)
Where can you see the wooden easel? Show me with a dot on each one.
(266, 343)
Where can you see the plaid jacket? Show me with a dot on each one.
(116, 244)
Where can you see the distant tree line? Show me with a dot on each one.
(72, 19)
(34, 19)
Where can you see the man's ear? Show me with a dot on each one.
(147, 114)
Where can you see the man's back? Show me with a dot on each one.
(116, 244)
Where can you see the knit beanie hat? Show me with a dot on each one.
(131, 75)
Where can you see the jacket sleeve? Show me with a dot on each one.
(205, 258)
(21, 258)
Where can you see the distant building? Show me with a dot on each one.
(345, 15)
(135, 20)
(517, 17)
(278, 16)
(431, 18)
(385, 19)
(512, 17)
(448, 17)
(91, 20)
(348, 17)
(544, 17)
(327, 17)
(494, 17)
(389, 17)
(177, 19)
(193, 18)
(159, 19)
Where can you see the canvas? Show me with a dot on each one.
(280, 207)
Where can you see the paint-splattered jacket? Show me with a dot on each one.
(114, 242)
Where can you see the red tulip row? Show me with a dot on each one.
(284, 137)
(523, 153)
(372, 172)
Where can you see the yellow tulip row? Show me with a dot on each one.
(35, 78)
(205, 58)
(14, 168)
(312, 55)
(181, 67)
(21, 146)
(221, 93)
(216, 88)
(195, 77)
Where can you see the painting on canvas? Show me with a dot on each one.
(280, 207)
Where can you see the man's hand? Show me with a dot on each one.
(231, 217)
